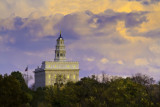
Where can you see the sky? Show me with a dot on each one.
(117, 37)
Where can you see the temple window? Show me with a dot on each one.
(68, 76)
(74, 77)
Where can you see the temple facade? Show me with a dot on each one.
(50, 71)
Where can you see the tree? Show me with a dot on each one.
(38, 97)
(143, 79)
(19, 77)
(60, 80)
(125, 93)
(146, 81)
(11, 92)
(89, 92)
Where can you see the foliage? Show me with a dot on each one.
(136, 91)
(38, 97)
(11, 93)
(88, 92)
(60, 79)
(124, 93)
(17, 75)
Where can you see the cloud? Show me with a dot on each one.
(104, 60)
(141, 62)
(125, 6)
(152, 34)
(78, 6)
(16, 7)
(7, 24)
(155, 48)
(120, 62)
(51, 7)
(118, 37)
(151, 24)
(147, 2)
(90, 59)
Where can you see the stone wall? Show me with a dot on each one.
(39, 79)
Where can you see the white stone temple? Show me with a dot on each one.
(47, 74)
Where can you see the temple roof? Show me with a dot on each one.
(60, 36)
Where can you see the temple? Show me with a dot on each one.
(50, 71)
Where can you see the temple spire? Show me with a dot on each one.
(60, 52)
(60, 36)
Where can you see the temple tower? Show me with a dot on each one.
(60, 52)
(47, 74)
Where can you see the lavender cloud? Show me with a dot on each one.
(87, 35)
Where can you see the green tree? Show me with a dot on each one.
(19, 77)
(38, 97)
(147, 82)
(89, 92)
(60, 80)
(11, 94)
(126, 93)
